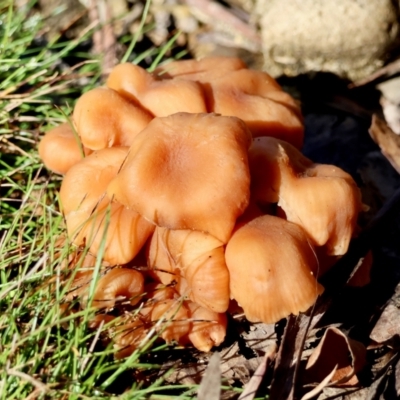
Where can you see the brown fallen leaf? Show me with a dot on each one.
(333, 352)
(388, 326)
(387, 140)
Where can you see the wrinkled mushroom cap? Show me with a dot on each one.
(104, 118)
(119, 284)
(188, 171)
(176, 316)
(60, 149)
(159, 97)
(323, 199)
(208, 328)
(259, 101)
(272, 269)
(195, 261)
(91, 217)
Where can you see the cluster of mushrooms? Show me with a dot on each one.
(196, 171)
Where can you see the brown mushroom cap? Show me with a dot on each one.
(188, 171)
(104, 118)
(195, 261)
(92, 218)
(272, 269)
(128, 337)
(119, 284)
(176, 317)
(265, 168)
(160, 97)
(60, 150)
(323, 199)
(208, 328)
(259, 101)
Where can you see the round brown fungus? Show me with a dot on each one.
(188, 171)
(90, 215)
(61, 148)
(272, 269)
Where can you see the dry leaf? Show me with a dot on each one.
(387, 140)
(388, 325)
(335, 349)
(239, 360)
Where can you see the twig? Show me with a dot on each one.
(390, 69)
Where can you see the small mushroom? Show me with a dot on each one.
(195, 261)
(91, 217)
(257, 99)
(104, 118)
(187, 171)
(160, 97)
(208, 328)
(117, 285)
(323, 199)
(175, 315)
(128, 336)
(60, 149)
(272, 269)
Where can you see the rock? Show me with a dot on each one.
(350, 38)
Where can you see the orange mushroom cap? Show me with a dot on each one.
(323, 199)
(188, 171)
(104, 118)
(119, 284)
(195, 261)
(208, 328)
(257, 99)
(272, 269)
(60, 150)
(176, 317)
(160, 97)
(90, 215)
(217, 84)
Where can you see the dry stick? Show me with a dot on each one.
(289, 355)
(388, 70)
